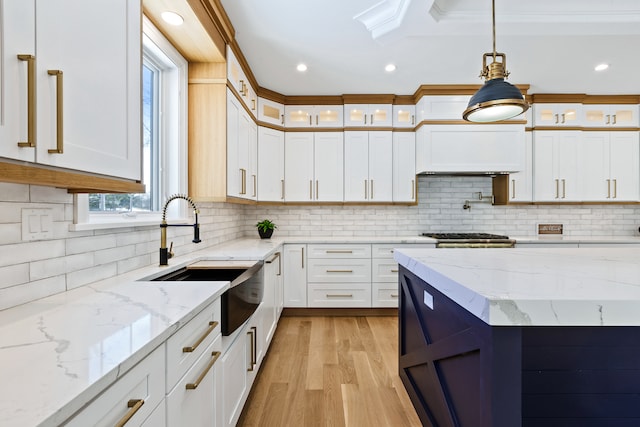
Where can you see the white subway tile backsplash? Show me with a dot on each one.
(89, 275)
(32, 251)
(14, 192)
(49, 195)
(16, 295)
(14, 275)
(90, 243)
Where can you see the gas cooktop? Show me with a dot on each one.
(465, 236)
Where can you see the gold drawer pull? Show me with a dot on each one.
(31, 100)
(338, 251)
(339, 271)
(212, 326)
(394, 295)
(339, 295)
(394, 270)
(59, 112)
(193, 386)
(135, 405)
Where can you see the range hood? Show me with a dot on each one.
(469, 150)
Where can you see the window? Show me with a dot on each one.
(164, 154)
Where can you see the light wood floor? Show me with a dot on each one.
(331, 371)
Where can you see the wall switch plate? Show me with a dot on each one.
(37, 224)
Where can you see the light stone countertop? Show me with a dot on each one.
(59, 352)
(541, 287)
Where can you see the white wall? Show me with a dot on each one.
(32, 270)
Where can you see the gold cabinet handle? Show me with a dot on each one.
(366, 190)
(241, 82)
(253, 332)
(394, 295)
(394, 270)
(134, 405)
(413, 119)
(310, 120)
(413, 189)
(338, 251)
(282, 118)
(31, 100)
(339, 295)
(279, 264)
(193, 386)
(316, 120)
(372, 119)
(339, 271)
(615, 187)
(608, 189)
(608, 122)
(317, 191)
(253, 104)
(59, 112)
(563, 118)
(190, 349)
(282, 189)
(255, 185)
(564, 188)
(371, 189)
(614, 119)
(557, 188)
(310, 189)
(302, 257)
(365, 119)
(556, 119)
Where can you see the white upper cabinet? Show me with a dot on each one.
(557, 115)
(316, 171)
(610, 115)
(370, 115)
(521, 183)
(17, 32)
(238, 79)
(270, 165)
(85, 109)
(555, 166)
(242, 137)
(308, 116)
(442, 107)
(404, 116)
(404, 167)
(368, 166)
(609, 166)
(270, 112)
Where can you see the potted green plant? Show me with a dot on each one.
(265, 228)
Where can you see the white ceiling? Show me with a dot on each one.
(552, 45)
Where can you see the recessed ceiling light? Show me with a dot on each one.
(389, 68)
(301, 67)
(172, 18)
(601, 67)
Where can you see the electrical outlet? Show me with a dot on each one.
(37, 224)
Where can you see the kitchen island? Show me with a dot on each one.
(521, 337)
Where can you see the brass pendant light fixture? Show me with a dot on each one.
(496, 100)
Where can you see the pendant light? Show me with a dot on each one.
(496, 100)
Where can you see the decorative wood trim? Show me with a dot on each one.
(404, 100)
(574, 203)
(271, 126)
(612, 99)
(215, 21)
(314, 129)
(557, 128)
(466, 89)
(313, 100)
(403, 129)
(271, 95)
(74, 182)
(368, 99)
(366, 128)
(587, 128)
(558, 98)
(243, 63)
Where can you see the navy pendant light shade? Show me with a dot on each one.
(496, 100)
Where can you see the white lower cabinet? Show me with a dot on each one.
(133, 397)
(234, 379)
(339, 276)
(194, 400)
(295, 275)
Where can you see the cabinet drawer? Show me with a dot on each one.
(386, 250)
(189, 406)
(339, 295)
(384, 295)
(339, 270)
(145, 382)
(339, 251)
(384, 270)
(189, 342)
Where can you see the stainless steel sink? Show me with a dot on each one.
(213, 271)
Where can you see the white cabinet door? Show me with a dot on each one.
(313, 116)
(235, 173)
(557, 115)
(555, 165)
(252, 163)
(270, 112)
(404, 116)
(609, 166)
(368, 166)
(298, 166)
(404, 167)
(329, 166)
(521, 183)
(234, 378)
(610, 115)
(356, 165)
(370, 115)
(380, 166)
(295, 275)
(270, 165)
(443, 107)
(298, 116)
(268, 307)
(88, 83)
(17, 32)
(194, 400)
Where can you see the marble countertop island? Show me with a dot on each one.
(535, 287)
